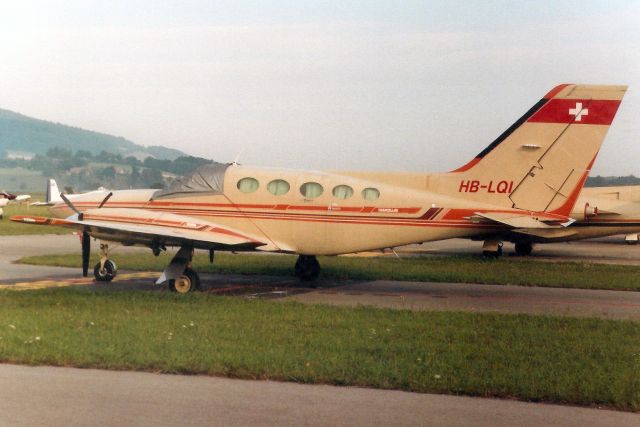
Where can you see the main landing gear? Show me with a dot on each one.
(307, 268)
(492, 249)
(188, 281)
(179, 274)
(523, 248)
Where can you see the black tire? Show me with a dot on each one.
(492, 254)
(307, 268)
(106, 275)
(189, 281)
(523, 248)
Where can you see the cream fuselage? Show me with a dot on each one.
(405, 212)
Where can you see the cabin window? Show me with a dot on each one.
(278, 187)
(311, 190)
(248, 185)
(342, 191)
(370, 194)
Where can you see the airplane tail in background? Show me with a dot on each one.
(541, 162)
(53, 194)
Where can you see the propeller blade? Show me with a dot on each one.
(71, 206)
(86, 252)
(105, 199)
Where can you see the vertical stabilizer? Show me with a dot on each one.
(53, 194)
(541, 162)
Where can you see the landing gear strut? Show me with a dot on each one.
(492, 249)
(523, 248)
(105, 270)
(307, 268)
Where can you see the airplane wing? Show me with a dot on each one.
(137, 226)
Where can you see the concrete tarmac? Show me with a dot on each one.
(606, 250)
(64, 396)
(46, 396)
(426, 296)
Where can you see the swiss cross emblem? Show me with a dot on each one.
(578, 112)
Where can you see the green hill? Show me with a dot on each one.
(26, 135)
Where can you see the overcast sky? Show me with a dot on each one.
(335, 84)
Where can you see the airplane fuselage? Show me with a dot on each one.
(340, 214)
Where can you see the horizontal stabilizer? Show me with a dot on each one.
(607, 213)
(523, 221)
(547, 233)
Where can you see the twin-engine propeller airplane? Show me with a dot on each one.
(526, 181)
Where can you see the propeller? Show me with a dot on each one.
(86, 252)
(86, 238)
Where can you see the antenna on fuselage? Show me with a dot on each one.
(235, 161)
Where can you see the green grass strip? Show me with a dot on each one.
(577, 361)
(464, 269)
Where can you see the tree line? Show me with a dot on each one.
(82, 170)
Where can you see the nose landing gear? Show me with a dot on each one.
(106, 269)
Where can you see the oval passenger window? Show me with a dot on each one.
(248, 185)
(370, 194)
(311, 190)
(278, 187)
(342, 192)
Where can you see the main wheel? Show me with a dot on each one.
(307, 268)
(188, 282)
(107, 273)
(493, 254)
(523, 248)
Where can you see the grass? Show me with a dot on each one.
(466, 269)
(576, 361)
(10, 228)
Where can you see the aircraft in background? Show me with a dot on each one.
(527, 182)
(616, 207)
(52, 195)
(599, 212)
(5, 198)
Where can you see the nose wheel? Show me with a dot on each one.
(106, 272)
(106, 269)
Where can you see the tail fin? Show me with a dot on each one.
(53, 194)
(541, 162)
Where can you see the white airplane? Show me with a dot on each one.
(52, 195)
(527, 181)
(5, 198)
